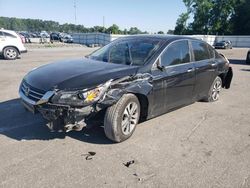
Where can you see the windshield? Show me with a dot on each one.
(127, 52)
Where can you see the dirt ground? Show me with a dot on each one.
(201, 145)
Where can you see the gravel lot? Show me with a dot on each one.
(201, 145)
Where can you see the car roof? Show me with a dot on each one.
(159, 36)
(9, 31)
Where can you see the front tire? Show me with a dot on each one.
(10, 53)
(214, 91)
(121, 119)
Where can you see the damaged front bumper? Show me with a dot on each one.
(65, 118)
(60, 117)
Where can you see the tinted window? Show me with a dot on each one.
(200, 50)
(9, 35)
(211, 52)
(176, 53)
(1, 34)
(127, 51)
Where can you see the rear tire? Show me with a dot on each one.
(10, 53)
(214, 91)
(121, 119)
(248, 58)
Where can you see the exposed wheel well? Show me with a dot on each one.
(223, 76)
(144, 106)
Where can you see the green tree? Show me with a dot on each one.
(170, 32)
(114, 29)
(135, 30)
(208, 16)
(220, 16)
(35, 25)
(241, 18)
(181, 24)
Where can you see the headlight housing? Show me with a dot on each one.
(81, 97)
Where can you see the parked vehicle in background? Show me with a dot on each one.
(35, 34)
(67, 38)
(132, 79)
(223, 45)
(62, 37)
(11, 44)
(55, 37)
(248, 58)
(44, 34)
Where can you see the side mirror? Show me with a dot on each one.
(159, 66)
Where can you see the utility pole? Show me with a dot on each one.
(75, 10)
(103, 21)
(103, 24)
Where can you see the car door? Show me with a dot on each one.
(175, 83)
(180, 74)
(158, 96)
(205, 68)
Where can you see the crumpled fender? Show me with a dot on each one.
(138, 84)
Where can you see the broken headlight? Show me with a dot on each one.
(81, 97)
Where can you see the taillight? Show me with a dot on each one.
(22, 38)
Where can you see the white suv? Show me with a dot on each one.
(11, 45)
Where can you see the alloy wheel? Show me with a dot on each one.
(216, 90)
(129, 118)
(11, 54)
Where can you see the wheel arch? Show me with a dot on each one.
(226, 78)
(144, 103)
(222, 76)
(12, 47)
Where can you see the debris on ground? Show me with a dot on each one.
(89, 155)
(127, 164)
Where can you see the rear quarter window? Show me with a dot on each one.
(211, 52)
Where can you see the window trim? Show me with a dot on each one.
(6, 34)
(158, 59)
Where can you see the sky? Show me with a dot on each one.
(147, 15)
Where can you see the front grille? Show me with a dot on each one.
(32, 93)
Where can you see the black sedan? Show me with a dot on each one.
(223, 45)
(130, 80)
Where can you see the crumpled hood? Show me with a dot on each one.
(76, 74)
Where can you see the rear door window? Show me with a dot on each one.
(177, 53)
(200, 50)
